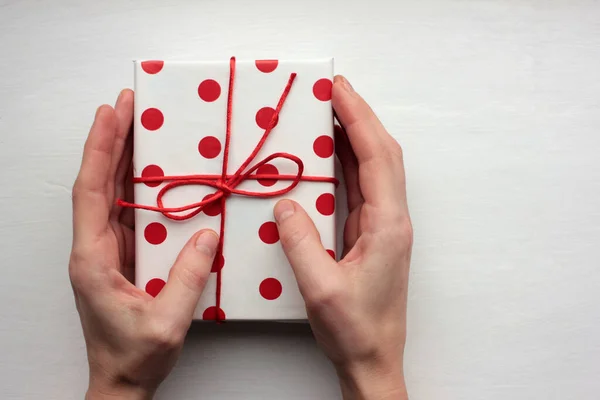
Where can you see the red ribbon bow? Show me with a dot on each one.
(225, 184)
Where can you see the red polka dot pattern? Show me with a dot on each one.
(322, 89)
(152, 119)
(218, 263)
(326, 204)
(213, 209)
(210, 314)
(268, 232)
(270, 288)
(152, 66)
(266, 66)
(152, 171)
(269, 170)
(323, 146)
(209, 147)
(154, 286)
(155, 233)
(209, 90)
(264, 117)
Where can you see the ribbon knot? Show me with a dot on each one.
(227, 185)
(224, 188)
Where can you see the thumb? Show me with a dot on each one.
(313, 266)
(188, 276)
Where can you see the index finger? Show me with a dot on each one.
(90, 192)
(381, 168)
(188, 277)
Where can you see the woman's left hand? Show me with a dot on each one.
(133, 339)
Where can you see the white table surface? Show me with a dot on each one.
(497, 105)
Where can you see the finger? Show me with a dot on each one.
(366, 133)
(124, 114)
(129, 257)
(381, 169)
(313, 266)
(352, 231)
(349, 168)
(188, 277)
(122, 179)
(90, 202)
(127, 215)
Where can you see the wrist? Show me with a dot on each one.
(106, 390)
(373, 379)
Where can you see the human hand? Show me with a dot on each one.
(133, 340)
(357, 306)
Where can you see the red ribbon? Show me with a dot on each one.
(225, 184)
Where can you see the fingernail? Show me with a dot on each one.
(347, 85)
(283, 210)
(207, 243)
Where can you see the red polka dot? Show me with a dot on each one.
(154, 286)
(268, 232)
(266, 66)
(152, 119)
(331, 253)
(212, 209)
(323, 146)
(152, 171)
(218, 263)
(152, 66)
(209, 147)
(269, 170)
(326, 204)
(210, 314)
(209, 90)
(264, 116)
(155, 233)
(270, 288)
(322, 89)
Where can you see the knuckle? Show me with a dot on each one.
(76, 274)
(138, 308)
(76, 190)
(326, 298)
(394, 154)
(79, 191)
(405, 231)
(76, 280)
(396, 236)
(293, 237)
(164, 337)
(387, 158)
(402, 233)
(193, 278)
(396, 150)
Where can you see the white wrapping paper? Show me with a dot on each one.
(179, 129)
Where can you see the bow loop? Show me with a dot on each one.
(227, 187)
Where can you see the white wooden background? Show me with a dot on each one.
(497, 105)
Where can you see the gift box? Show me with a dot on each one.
(234, 136)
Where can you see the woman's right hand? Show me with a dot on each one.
(357, 306)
